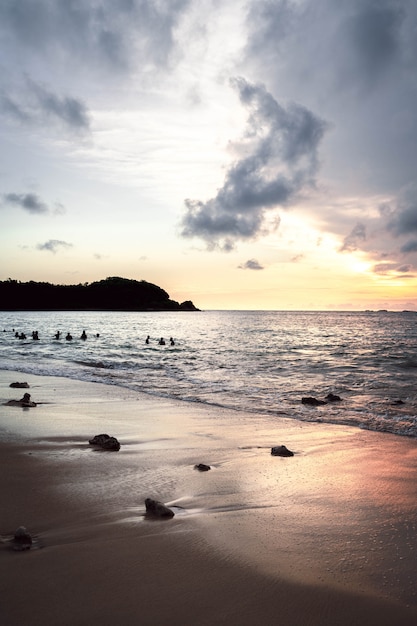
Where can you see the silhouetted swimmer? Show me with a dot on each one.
(171, 341)
(57, 335)
(68, 337)
(147, 339)
(25, 401)
(83, 335)
(22, 336)
(16, 335)
(98, 335)
(161, 342)
(35, 335)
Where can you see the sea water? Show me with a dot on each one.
(252, 361)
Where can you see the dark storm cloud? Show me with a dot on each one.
(30, 202)
(115, 33)
(280, 158)
(251, 264)
(53, 245)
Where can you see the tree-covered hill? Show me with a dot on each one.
(111, 294)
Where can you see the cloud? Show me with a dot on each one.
(251, 264)
(354, 239)
(70, 111)
(35, 104)
(410, 246)
(279, 158)
(356, 63)
(28, 201)
(404, 221)
(392, 270)
(32, 203)
(297, 258)
(110, 34)
(53, 245)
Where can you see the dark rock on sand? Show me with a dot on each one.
(24, 402)
(312, 401)
(201, 467)
(19, 385)
(154, 508)
(106, 442)
(22, 539)
(281, 451)
(331, 397)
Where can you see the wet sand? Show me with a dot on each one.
(325, 537)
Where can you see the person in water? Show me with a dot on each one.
(24, 402)
(162, 341)
(58, 335)
(68, 337)
(147, 339)
(171, 341)
(83, 335)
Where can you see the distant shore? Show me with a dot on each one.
(112, 294)
(325, 537)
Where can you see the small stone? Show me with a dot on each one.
(111, 444)
(154, 508)
(201, 467)
(22, 539)
(281, 451)
(105, 441)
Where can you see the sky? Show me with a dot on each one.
(257, 154)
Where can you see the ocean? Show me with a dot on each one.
(250, 361)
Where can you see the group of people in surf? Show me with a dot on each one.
(58, 335)
(161, 341)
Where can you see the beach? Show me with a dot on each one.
(327, 536)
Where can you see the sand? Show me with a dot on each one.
(325, 537)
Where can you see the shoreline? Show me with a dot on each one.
(326, 537)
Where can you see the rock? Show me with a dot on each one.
(281, 451)
(312, 401)
(201, 467)
(22, 539)
(105, 441)
(19, 385)
(154, 508)
(111, 444)
(331, 397)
